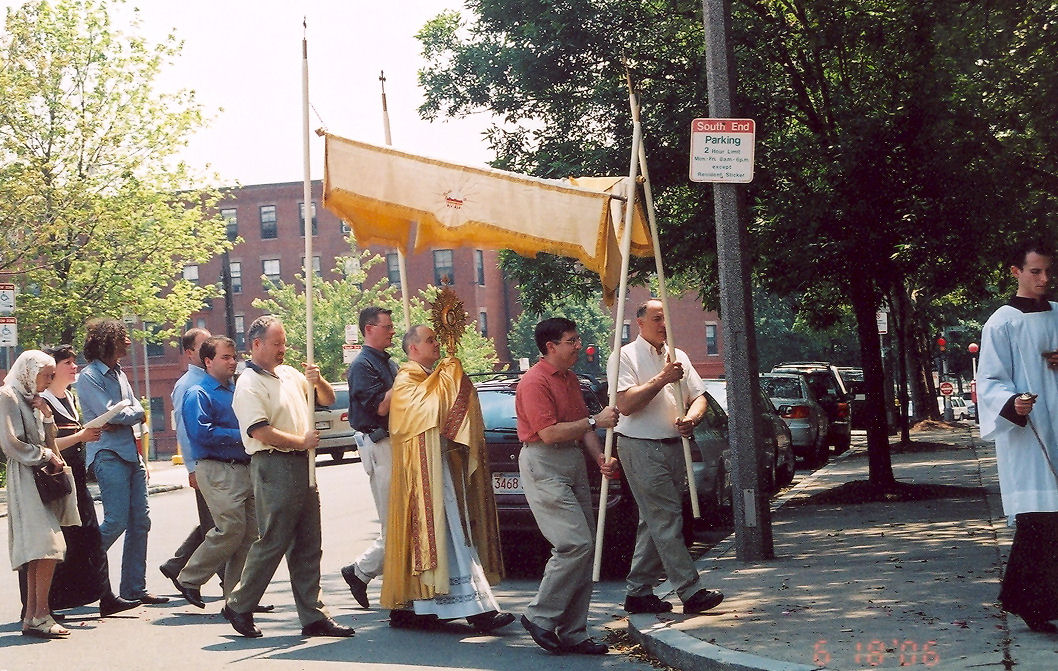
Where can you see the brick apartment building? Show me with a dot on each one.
(269, 219)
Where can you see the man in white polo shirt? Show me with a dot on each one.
(270, 402)
(651, 451)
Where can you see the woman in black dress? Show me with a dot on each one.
(84, 576)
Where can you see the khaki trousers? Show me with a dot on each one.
(228, 492)
(556, 487)
(288, 516)
(657, 475)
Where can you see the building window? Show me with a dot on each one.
(315, 265)
(200, 322)
(393, 268)
(301, 219)
(191, 274)
(712, 348)
(153, 348)
(240, 332)
(483, 323)
(270, 269)
(479, 267)
(158, 414)
(345, 227)
(443, 271)
(235, 270)
(269, 228)
(231, 222)
(626, 332)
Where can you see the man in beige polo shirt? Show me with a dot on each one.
(277, 431)
(651, 449)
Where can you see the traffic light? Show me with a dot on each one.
(591, 358)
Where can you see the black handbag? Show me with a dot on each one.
(51, 486)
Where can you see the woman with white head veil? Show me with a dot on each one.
(27, 437)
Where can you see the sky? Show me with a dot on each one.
(243, 60)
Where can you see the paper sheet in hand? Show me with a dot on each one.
(98, 422)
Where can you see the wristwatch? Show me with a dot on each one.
(591, 422)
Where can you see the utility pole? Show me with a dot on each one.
(753, 536)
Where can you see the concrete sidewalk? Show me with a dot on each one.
(885, 584)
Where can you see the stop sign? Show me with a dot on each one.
(947, 388)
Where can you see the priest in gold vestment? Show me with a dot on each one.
(442, 536)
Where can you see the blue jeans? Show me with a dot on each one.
(123, 489)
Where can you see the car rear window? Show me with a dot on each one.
(497, 409)
(782, 387)
(341, 400)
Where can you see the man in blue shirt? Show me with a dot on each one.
(114, 458)
(191, 342)
(222, 470)
(370, 386)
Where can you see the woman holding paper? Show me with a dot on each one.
(27, 437)
(84, 576)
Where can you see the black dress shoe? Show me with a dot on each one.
(327, 627)
(490, 621)
(264, 609)
(587, 647)
(408, 619)
(171, 574)
(112, 604)
(542, 637)
(192, 594)
(1041, 626)
(646, 604)
(241, 622)
(357, 586)
(701, 601)
(151, 599)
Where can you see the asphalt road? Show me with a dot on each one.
(179, 636)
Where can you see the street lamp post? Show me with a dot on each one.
(973, 349)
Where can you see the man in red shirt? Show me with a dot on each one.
(554, 425)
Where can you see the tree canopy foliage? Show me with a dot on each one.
(902, 146)
(337, 303)
(97, 216)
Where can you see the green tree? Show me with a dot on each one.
(97, 216)
(337, 303)
(873, 140)
(594, 324)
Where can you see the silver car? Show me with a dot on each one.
(790, 393)
(336, 436)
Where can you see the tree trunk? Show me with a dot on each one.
(865, 305)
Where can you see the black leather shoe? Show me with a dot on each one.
(192, 594)
(171, 574)
(587, 647)
(327, 627)
(112, 604)
(357, 586)
(490, 621)
(542, 637)
(701, 601)
(646, 604)
(151, 599)
(1041, 626)
(241, 622)
(264, 609)
(407, 619)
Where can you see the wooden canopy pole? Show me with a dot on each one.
(307, 217)
(612, 365)
(670, 339)
(402, 265)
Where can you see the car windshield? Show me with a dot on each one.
(497, 409)
(782, 387)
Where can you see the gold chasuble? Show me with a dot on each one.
(435, 416)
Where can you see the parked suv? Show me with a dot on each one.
(852, 378)
(519, 536)
(830, 392)
(332, 421)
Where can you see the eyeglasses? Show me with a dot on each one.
(568, 341)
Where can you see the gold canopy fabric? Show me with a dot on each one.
(434, 416)
(402, 200)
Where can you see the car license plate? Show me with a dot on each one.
(323, 426)
(507, 483)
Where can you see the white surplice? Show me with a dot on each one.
(1012, 347)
